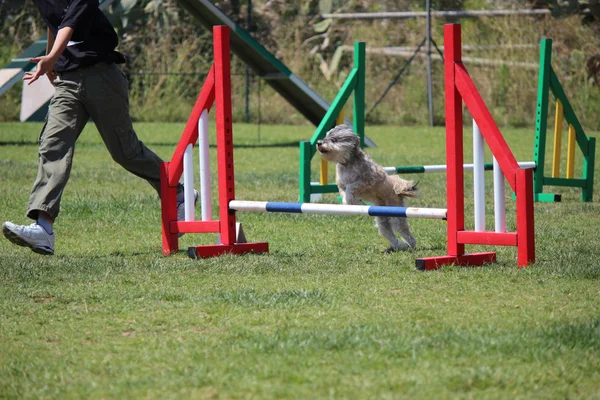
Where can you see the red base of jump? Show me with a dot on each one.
(467, 260)
(220, 249)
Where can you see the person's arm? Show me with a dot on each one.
(50, 41)
(76, 17)
(45, 64)
(51, 75)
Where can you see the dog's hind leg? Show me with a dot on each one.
(400, 225)
(384, 224)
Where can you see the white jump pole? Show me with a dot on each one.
(478, 179)
(205, 198)
(188, 183)
(421, 169)
(499, 199)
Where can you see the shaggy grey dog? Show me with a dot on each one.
(360, 178)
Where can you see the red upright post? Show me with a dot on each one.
(455, 197)
(525, 218)
(224, 137)
(168, 200)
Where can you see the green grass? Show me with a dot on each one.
(325, 314)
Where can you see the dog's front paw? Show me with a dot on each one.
(391, 250)
(400, 247)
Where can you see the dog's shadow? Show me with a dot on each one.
(430, 248)
(418, 251)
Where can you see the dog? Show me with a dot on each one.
(361, 178)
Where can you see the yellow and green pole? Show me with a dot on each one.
(558, 126)
(324, 175)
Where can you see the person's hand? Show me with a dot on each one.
(45, 65)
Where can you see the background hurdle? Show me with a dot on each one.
(355, 83)
(548, 82)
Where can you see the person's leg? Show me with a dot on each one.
(65, 121)
(107, 101)
(108, 104)
(46, 221)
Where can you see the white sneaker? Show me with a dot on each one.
(33, 236)
(181, 209)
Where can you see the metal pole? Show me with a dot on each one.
(499, 199)
(204, 161)
(258, 116)
(188, 183)
(429, 85)
(248, 27)
(443, 14)
(478, 179)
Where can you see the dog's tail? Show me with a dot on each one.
(405, 188)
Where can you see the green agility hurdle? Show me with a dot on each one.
(548, 81)
(355, 83)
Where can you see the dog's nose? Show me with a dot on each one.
(319, 142)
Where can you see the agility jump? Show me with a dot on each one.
(548, 82)
(216, 89)
(458, 86)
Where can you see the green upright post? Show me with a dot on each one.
(359, 91)
(588, 171)
(306, 154)
(541, 122)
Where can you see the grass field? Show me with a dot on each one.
(325, 314)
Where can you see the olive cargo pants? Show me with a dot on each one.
(99, 92)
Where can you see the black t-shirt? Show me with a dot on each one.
(94, 39)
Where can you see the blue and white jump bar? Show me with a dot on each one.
(337, 209)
